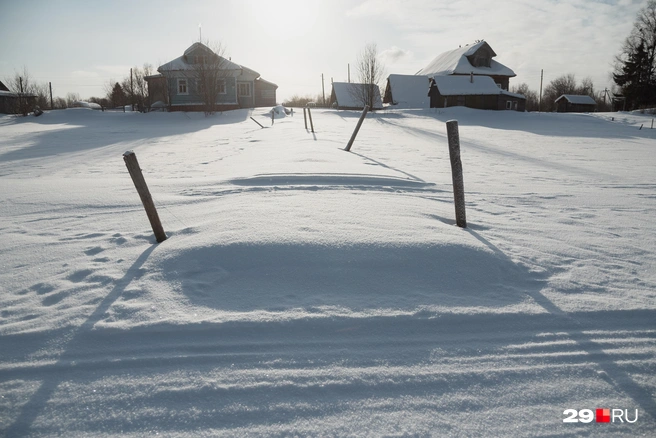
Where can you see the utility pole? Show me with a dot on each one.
(323, 90)
(541, 77)
(20, 97)
(200, 33)
(50, 85)
(131, 91)
(349, 73)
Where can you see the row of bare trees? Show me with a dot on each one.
(132, 90)
(34, 94)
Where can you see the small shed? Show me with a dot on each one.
(407, 91)
(573, 103)
(14, 103)
(265, 93)
(346, 95)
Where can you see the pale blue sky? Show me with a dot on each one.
(80, 45)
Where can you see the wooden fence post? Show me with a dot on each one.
(357, 128)
(272, 112)
(132, 164)
(257, 123)
(305, 117)
(456, 172)
(311, 124)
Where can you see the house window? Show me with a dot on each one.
(509, 104)
(221, 86)
(244, 89)
(515, 105)
(200, 59)
(182, 86)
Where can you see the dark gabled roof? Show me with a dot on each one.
(3, 87)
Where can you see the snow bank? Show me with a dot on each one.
(305, 290)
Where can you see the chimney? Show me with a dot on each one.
(471, 77)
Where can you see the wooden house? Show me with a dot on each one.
(570, 103)
(180, 82)
(466, 76)
(348, 95)
(480, 92)
(463, 61)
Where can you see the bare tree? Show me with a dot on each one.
(209, 71)
(370, 72)
(565, 84)
(23, 85)
(531, 96)
(71, 99)
(587, 87)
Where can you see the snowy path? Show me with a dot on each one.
(308, 291)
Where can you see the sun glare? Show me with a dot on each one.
(280, 18)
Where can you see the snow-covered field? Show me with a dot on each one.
(305, 290)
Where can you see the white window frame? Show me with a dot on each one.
(508, 104)
(239, 88)
(183, 82)
(223, 89)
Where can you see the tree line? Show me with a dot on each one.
(131, 90)
(635, 66)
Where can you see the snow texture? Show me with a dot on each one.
(308, 291)
(456, 62)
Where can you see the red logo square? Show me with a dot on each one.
(603, 415)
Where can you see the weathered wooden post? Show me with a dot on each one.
(257, 123)
(357, 128)
(272, 112)
(456, 172)
(305, 117)
(311, 124)
(140, 183)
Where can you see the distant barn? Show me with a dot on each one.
(572, 103)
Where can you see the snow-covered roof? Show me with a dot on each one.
(346, 95)
(408, 91)
(12, 94)
(180, 63)
(456, 62)
(264, 81)
(578, 99)
(463, 86)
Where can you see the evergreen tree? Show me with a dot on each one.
(635, 69)
(118, 95)
(635, 78)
